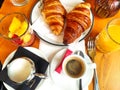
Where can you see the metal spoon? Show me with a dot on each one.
(78, 52)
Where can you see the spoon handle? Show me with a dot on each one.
(96, 87)
(80, 84)
(40, 75)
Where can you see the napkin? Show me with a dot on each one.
(40, 64)
(2, 87)
(59, 67)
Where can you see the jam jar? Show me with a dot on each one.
(106, 8)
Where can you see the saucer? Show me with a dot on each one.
(10, 56)
(63, 81)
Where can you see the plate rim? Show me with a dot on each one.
(61, 44)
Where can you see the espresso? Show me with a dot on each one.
(75, 67)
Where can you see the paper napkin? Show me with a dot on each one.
(59, 67)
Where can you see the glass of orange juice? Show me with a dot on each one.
(16, 27)
(108, 39)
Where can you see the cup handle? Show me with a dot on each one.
(78, 52)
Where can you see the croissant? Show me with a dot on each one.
(77, 21)
(54, 15)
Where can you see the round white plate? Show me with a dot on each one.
(44, 32)
(66, 83)
(32, 49)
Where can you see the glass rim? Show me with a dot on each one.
(16, 13)
(14, 2)
(108, 31)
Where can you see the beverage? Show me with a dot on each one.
(74, 66)
(20, 69)
(15, 27)
(109, 38)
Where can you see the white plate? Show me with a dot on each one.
(32, 49)
(44, 32)
(66, 83)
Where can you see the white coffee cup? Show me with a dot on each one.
(75, 66)
(21, 69)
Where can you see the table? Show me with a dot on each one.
(7, 7)
(108, 65)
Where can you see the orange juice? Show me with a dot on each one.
(109, 40)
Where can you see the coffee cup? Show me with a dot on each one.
(75, 66)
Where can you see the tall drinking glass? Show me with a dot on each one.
(108, 39)
(15, 27)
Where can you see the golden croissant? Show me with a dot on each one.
(54, 15)
(77, 21)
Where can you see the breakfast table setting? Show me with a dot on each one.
(48, 51)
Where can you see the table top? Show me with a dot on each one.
(108, 65)
(7, 7)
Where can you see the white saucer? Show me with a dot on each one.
(32, 49)
(66, 83)
(43, 30)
